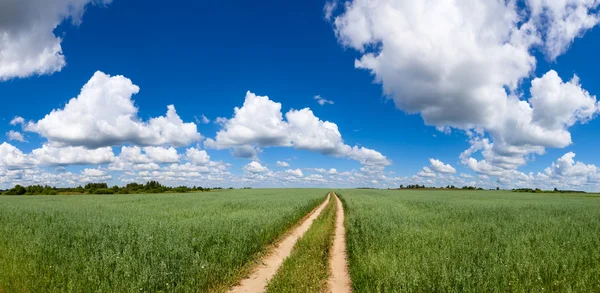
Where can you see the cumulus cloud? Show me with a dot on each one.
(196, 156)
(51, 155)
(566, 166)
(17, 120)
(322, 101)
(432, 59)
(560, 22)
(255, 167)
(104, 114)
(162, 155)
(439, 166)
(282, 164)
(15, 135)
(246, 152)
(294, 172)
(426, 172)
(12, 158)
(28, 45)
(260, 122)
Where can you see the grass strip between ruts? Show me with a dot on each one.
(307, 268)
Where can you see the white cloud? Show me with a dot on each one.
(17, 120)
(255, 167)
(203, 120)
(51, 155)
(432, 59)
(426, 172)
(468, 176)
(562, 21)
(93, 173)
(12, 158)
(28, 45)
(282, 164)
(161, 155)
(133, 154)
(322, 101)
(294, 172)
(566, 166)
(15, 135)
(105, 115)
(330, 6)
(440, 167)
(260, 122)
(196, 156)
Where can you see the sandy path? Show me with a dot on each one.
(339, 281)
(258, 280)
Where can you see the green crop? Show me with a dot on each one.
(472, 241)
(193, 242)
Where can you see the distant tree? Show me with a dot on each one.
(497, 188)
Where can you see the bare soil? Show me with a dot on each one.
(339, 281)
(268, 266)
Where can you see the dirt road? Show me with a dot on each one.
(339, 281)
(258, 280)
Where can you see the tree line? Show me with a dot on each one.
(103, 188)
(417, 186)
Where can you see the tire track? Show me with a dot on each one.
(264, 272)
(339, 281)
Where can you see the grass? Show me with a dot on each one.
(195, 242)
(307, 268)
(475, 241)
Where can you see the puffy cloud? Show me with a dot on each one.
(294, 172)
(162, 155)
(28, 45)
(93, 172)
(566, 166)
(557, 104)
(17, 120)
(15, 135)
(282, 164)
(439, 166)
(133, 154)
(255, 167)
(197, 157)
(260, 122)
(426, 172)
(562, 21)
(245, 151)
(105, 115)
(322, 101)
(51, 155)
(432, 59)
(12, 158)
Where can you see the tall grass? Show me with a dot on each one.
(143, 243)
(307, 268)
(476, 241)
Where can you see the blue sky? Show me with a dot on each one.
(404, 111)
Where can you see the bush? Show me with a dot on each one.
(103, 191)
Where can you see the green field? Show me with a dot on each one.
(473, 241)
(194, 242)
